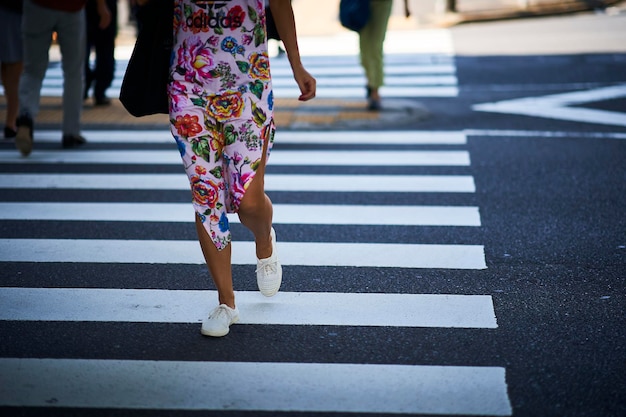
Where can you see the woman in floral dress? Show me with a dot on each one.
(221, 115)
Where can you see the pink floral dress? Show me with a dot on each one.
(221, 103)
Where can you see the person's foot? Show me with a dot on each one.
(24, 135)
(269, 272)
(373, 104)
(102, 101)
(373, 99)
(88, 83)
(9, 133)
(217, 324)
(71, 141)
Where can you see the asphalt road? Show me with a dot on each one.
(552, 206)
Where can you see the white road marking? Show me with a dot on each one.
(375, 255)
(330, 92)
(285, 308)
(544, 134)
(283, 213)
(387, 137)
(273, 182)
(278, 157)
(305, 387)
(556, 106)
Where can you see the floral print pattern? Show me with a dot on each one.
(221, 103)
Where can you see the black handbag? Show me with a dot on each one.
(354, 14)
(144, 87)
(270, 25)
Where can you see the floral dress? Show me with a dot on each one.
(221, 103)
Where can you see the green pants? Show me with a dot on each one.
(372, 37)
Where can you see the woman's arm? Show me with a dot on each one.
(286, 26)
(104, 13)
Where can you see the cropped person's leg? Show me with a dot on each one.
(371, 43)
(71, 31)
(37, 27)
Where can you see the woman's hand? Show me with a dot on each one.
(104, 13)
(306, 83)
(286, 26)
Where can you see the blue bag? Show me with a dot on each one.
(354, 14)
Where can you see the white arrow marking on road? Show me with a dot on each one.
(555, 106)
(283, 213)
(306, 387)
(286, 308)
(375, 255)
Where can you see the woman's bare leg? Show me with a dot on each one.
(219, 263)
(255, 211)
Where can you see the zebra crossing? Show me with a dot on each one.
(301, 162)
(407, 76)
(417, 64)
(339, 77)
(91, 381)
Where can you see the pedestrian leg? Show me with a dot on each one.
(10, 80)
(219, 263)
(37, 27)
(71, 33)
(255, 211)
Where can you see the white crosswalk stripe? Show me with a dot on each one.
(384, 255)
(283, 213)
(386, 137)
(184, 306)
(273, 182)
(301, 158)
(305, 387)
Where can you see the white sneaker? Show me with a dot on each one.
(269, 272)
(218, 322)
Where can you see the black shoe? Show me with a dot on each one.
(9, 133)
(88, 83)
(368, 91)
(102, 101)
(374, 105)
(71, 141)
(24, 135)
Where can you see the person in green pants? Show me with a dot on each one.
(371, 39)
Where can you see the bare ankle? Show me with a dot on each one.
(264, 247)
(230, 302)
